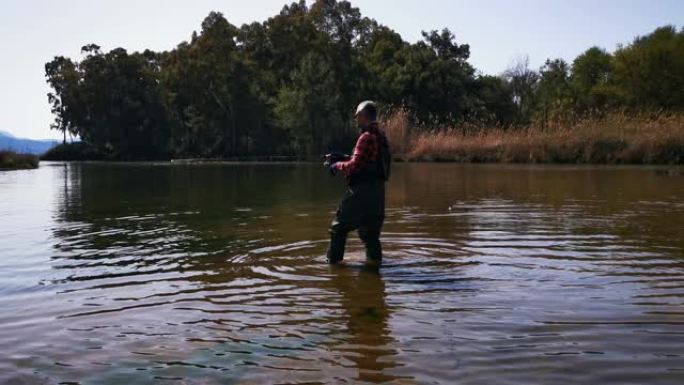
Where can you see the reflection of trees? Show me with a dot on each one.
(129, 216)
(114, 189)
(143, 219)
(367, 319)
(613, 195)
(433, 184)
(146, 210)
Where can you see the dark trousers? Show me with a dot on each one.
(362, 209)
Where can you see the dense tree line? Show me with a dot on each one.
(287, 85)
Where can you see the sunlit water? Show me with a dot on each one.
(215, 274)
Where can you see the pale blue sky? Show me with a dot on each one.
(33, 31)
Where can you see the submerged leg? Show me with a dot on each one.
(336, 248)
(344, 222)
(371, 239)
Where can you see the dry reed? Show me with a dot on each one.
(656, 138)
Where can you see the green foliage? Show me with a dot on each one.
(493, 104)
(208, 94)
(63, 77)
(307, 107)
(523, 82)
(649, 73)
(554, 94)
(591, 72)
(10, 160)
(74, 151)
(288, 86)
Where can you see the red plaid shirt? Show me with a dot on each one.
(365, 151)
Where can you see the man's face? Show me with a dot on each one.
(361, 119)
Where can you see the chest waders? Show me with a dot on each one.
(363, 208)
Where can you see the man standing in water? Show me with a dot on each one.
(363, 206)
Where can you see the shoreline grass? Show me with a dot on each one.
(614, 139)
(10, 160)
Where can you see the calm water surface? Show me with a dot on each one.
(215, 274)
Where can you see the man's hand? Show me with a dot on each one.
(332, 159)
(336, 157)
(331, 166)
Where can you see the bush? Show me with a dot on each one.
(73, 151)
(10, 160)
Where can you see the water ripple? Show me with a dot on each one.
(556, 285)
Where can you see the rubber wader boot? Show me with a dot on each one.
(373, 249)
(336, 249)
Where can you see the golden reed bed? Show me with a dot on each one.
(617, 138)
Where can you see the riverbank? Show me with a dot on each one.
(614, 139)
(10, 160)
(80, 151)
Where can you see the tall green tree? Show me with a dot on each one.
(650, 71)
(591, 73)
(288, 85)
(524, 84)
(554, 94)
(492, 102)
(62, 75)
(308, 107)
(209, 93)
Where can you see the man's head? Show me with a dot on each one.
(366, 113)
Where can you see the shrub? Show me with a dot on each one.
(10, 160)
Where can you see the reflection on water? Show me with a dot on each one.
(214, 274)
(369, 345)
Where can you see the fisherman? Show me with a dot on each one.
(363, 206)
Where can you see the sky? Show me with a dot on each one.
(32, 32)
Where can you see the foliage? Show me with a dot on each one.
(10, 160)
(649, 73)
(523, 83)
(554, 97)
(288, 86)
(591, 72)
(75, 151)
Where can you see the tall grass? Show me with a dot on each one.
(10, 160)
(656, 138)
(397, 124)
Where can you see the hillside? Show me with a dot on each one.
(28, 146)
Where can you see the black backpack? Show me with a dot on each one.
(384, 156)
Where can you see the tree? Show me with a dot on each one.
(62, 75)
(384, 77)
(523, 81)
(493, 102)
(288, 85)
(307, 108)
(591, 73)
(128, 120)
(649, 73)
(447, 79)
(209, 93)
(554, 95)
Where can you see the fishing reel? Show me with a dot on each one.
(332, 158)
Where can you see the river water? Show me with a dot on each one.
(216, 274)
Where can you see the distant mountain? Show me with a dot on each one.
(30, 146)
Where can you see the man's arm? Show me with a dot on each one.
(360, 157)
